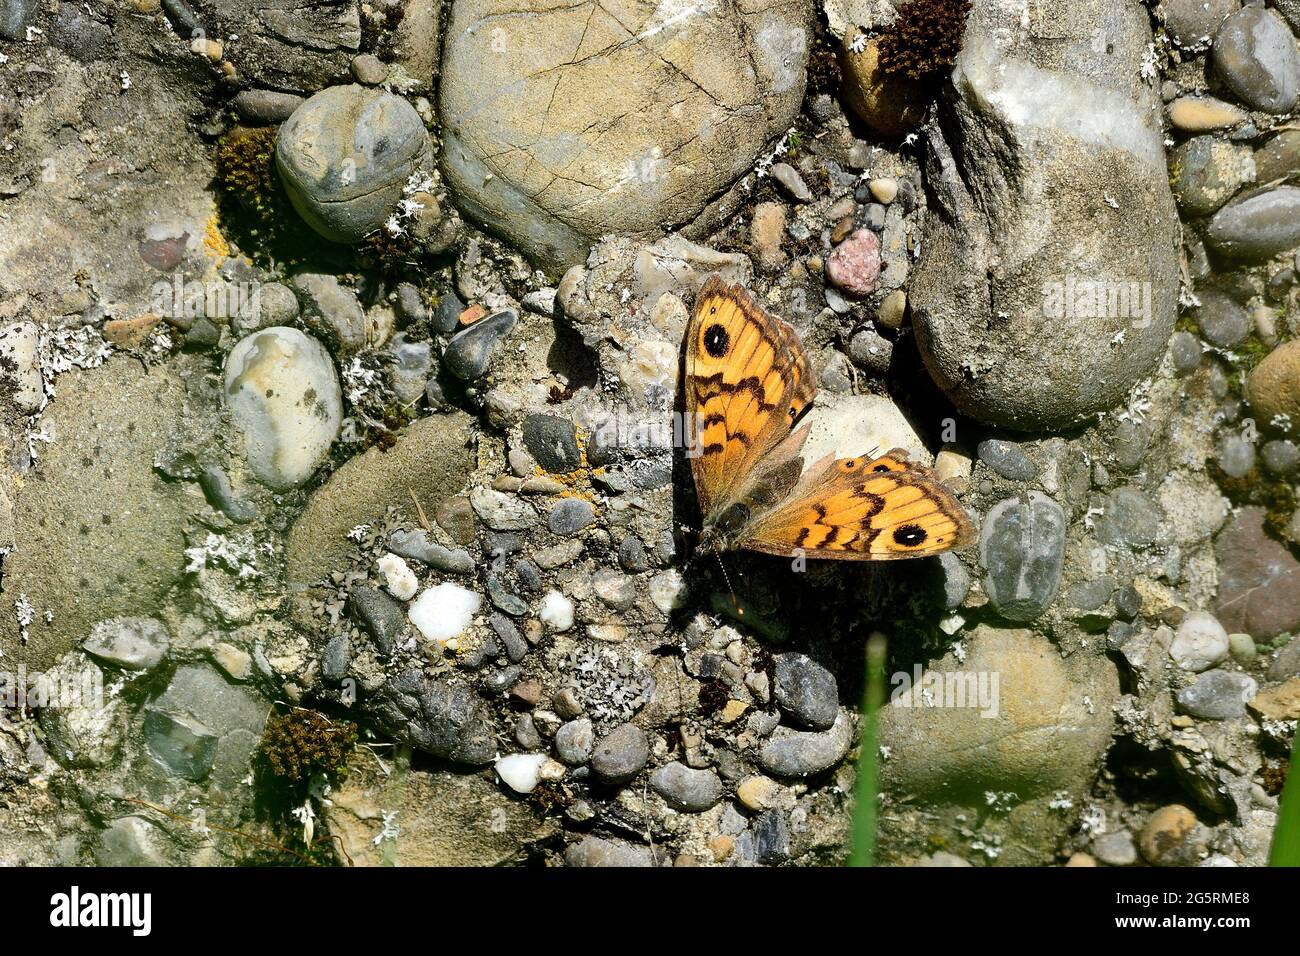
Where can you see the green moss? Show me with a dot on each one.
(923, 42)
(1279, 505)
(255, 211)
(1251, 352)
(246, 168)
(302, 743)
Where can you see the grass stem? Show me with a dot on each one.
(863, 850)
(1286, 838)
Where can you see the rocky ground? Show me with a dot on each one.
(339, 345)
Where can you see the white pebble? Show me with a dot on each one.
(668, 590)
(284, 397)
(398, 577)
(556, 611)
(521, 772)
(1200, 643)
(444, 612)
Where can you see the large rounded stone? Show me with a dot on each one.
(1048, 280)
(1274, 387)
(567, 121)
(344, 156)
(96, 533)
(1014, 725)
(1036, 723)
(284, 396)
(1257, 226)
(1255, 55)
(428, 463)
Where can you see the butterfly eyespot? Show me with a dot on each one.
(909, 535)
(880, 468)
(793, 411)
(716, 341)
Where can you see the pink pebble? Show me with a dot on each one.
(854, 266)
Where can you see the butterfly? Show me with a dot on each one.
(747, 385)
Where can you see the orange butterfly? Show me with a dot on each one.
(747, 383)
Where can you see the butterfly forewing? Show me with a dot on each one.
(747, 380)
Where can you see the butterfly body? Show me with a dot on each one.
(747, 385)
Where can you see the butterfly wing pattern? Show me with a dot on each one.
(864, 510)
(747, 382)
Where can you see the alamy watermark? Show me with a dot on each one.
(1099, 299)
(53, 690)
(215, 299)
(633, 432)
(975, 690)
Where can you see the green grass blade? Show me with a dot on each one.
(1286, 838)
(863, 850)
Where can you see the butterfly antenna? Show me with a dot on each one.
(735, 601)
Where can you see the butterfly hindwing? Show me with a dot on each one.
(863, 509)
(747, 381)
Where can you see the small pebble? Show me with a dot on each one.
(521, 772)
(574, 742)
(805, 691)
(398, 577)
(1172, 837)
(368, 69)
(788, 178)
(893, 309)
(1280, 456)
(685, 788)
(884, 190)
(853, 266)
(1217, 695)
(1236, 455)
(1115, 848)
(759, 793)
(468, 352)
(620, 754)
(1199, 643)
(570, 516)
(1242, 648)
(556, 612)
(1185, 350)
(1006, 459)
(794, 753)
(444, 612)
(1204, 114)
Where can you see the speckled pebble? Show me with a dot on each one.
(805, 691)
(685, 788)
(1006, 459)
(575, 741)
(570, 516)
(620, 754)
(1218, 695)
